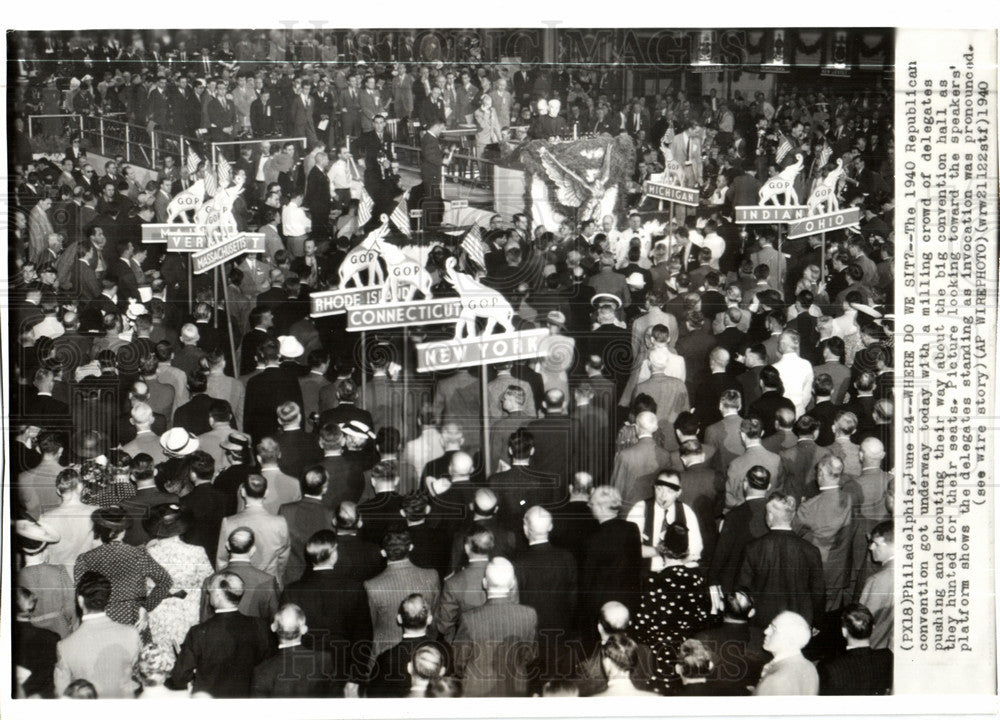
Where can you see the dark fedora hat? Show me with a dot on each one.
(111, 518)
(166, 521)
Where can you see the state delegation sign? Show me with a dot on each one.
(769, 214)
(337, 302)
(225, 251)
(671, 193)
(818, 224)
(420, 312)
(469, 352)
(161, 232)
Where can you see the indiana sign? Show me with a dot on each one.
(826, 222)
(484, 349)
(769, 214)
(226, 250)
(671, 193)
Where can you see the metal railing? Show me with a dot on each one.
(67, 124)
(137, 143)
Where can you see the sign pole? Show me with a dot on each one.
(215, 297)
(364, 358)
(190, 287)
(670, 247)
(822, 259)
(229, 329)
(404, 431)
(486, 420)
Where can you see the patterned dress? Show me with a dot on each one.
(129, 569)
(674, 605)
(188, 566)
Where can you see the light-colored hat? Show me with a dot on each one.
(178, 442)
(636, 280)
(866, 309)
(236, 441)
(606, 299)
(290, 347)
(31, 530)
(555, 317)
(358, 429)
(135, 309)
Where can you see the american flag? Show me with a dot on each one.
(401, 217)
(784, 147)
(824, 155)
(225, 172)
(211, 185)
(193, 161)
(365, 207)
(472, 244)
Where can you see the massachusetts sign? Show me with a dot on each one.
(419, 312)
(769, 214)
(671, 193)
(226, 250)
(817, 224)
(484, 349)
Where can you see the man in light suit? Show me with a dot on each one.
(100, 650)
(636, 466)
(463, 590)
(390, 587)
(371, 104)
(751, 432)
(686, 151)
(270, 531)
(260, 595)
(495, 642)
(725, 434)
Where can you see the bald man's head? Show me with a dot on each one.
(500, 578)
(646, 423)
(485, 502)
(460, 465)
(289, 623)
(614, 617)
(872, 451)
(719, 358)
(788, 632)
(537, 524)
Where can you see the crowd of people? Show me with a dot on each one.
(689, 493)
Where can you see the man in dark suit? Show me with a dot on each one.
(572, 522)
(589, 673)
(612, 562)
(555, 432)
(40, 404)
(34, 648)
(299, 450)
(744, 523)
(220, 654)
(524, 485)
(317, 196)
(296, 671)
(431, 160)
(206, 504)
(337, 604)
(389, 676)
(546, 581)
(374, 147)
(858, 670)
(381, 511)
(782, 571)
(735, 646)
(593, 444)
(799, 461)
(305, 518)
(346, 409)
(194, 415)
(345, 478)
(261, 324)
(301, 114)
(495, 643)
(359, 559)
(266, 391)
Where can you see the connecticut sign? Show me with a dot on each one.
(420, 312)
(467, 352)
(817, 224)
(671, 193)
(770, 214)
